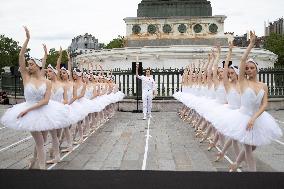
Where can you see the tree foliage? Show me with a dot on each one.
(53, 56)
(118, 42)
(9, 52)
(275, 43)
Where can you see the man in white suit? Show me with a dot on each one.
(148, 91)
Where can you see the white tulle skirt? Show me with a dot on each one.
(104, 99)
(79, 112)
(99, 104)
(234, 123)
(48, 117)
(119, 96)
(89, 105)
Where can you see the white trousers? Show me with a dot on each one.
(147, 97)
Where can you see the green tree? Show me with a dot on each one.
(275, 44)
(118, 42)
(53, 56)
(9, 52)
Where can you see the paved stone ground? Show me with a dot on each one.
(120, 145)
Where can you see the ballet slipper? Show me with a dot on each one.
(68, 149)
(211, 146)
(202, 140)
(86, 135)
(79, 141)
(233, 168)
(55, 160)
(220, 156)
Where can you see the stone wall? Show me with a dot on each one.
(174, 31)
(165, 42)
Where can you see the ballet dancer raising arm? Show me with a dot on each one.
(249, 68)
(65, 87)
(22, 60)
(58, 63)
(215, 68)
(69, 67)
(35, 72)
(209, 70)
(44, 59)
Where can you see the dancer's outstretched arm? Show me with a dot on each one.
(22, 60)
(211, 57)
(44, 59)
(226, 67)
(245, 57)
(69, 66)
(215, 66)
(58, 63)
(205, 67)
(200, 66)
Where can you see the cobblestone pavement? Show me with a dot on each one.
(120, 145)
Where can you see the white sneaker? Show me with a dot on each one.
(145, 117)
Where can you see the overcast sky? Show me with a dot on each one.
(56, 22)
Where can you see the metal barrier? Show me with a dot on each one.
(168, 82)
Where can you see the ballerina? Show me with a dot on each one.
(59, 94)
(250, 124)
(38, 113)
(221, 98)
(96, 94)
(234, 101)
(79, 89)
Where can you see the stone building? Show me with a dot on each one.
(174, 22)
(275, 27)
(173, 34)
(84, 44)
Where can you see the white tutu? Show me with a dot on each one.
(234, 124)
(88, 105)
(265, 128)
(120, 96)
(48, 117)
(78, 111)
(99, 104)
(105, 101)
